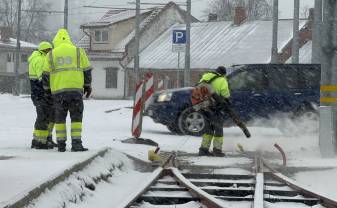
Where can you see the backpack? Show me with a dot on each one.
(202, 94)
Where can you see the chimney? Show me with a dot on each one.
(239, 16)
(212, 17)
(5, 33)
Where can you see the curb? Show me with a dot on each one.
(24, 199)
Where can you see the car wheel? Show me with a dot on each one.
(305, 121)
(174, 128)
(192, 122)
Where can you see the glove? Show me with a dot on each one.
(87, 91)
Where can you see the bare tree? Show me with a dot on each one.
(305, 12)
(256, 9)
(32, 22)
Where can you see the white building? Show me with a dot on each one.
(110, 42)
(7, 59)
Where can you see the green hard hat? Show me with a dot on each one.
(44, 45)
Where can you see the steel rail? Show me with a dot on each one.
(329, 203)
(157, 173)
(284, 158)
(259, 191)
(167, 169)
(205, 198)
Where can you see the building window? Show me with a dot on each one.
(111, 77)
(101, 35)
(9, 57)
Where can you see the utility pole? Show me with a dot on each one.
(136, 51)
(295, 52)
(187, 72)
(16, 90)
(274, 53)
(65, 24)
(316, 43)
(328, 99)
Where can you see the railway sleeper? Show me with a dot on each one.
(307, 201)
(217, 176)
(166, 200)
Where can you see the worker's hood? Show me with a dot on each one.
(34, 55)
(61, 37)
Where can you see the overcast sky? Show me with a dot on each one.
(198, 6)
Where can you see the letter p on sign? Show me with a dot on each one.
(179, 36)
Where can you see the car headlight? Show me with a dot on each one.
(164, 97)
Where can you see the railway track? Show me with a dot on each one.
(169, 186)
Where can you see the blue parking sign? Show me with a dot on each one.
(179, 37)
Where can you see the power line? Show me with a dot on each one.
(159, 4)
(118, 8)
(42, 11)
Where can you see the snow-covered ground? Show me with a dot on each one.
(27, 168)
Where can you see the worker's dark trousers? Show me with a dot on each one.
(44, 120)
(72, 102)
(214, 130)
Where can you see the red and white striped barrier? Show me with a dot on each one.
(137, 111)
(149, 89)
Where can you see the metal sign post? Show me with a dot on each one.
(274, 55)
(178, 46)
(16, 90)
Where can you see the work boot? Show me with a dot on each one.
(51, 143)
(218, 153)
(76, 146)
(61, 146)
(204, 152)
(33, 144)
(40, 145)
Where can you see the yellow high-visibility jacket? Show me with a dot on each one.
(36, 63)
(67, 67)
(219, 85)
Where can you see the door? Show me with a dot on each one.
(284, 88)
(248, 92)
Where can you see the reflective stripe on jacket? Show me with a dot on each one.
(66, 65)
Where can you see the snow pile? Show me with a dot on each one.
(81, 185)
(324, 184)
(307, 124)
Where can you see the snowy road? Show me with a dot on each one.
(29, 167)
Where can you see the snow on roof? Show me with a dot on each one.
(217, 43)
(12, 44)
(120, 47)
(305, 54)
(84, 42)
(112, 17)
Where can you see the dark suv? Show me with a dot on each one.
(258, 91)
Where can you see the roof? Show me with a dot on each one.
(146, 22)
(112, 17)
(218, 43)
(12, 44)
(305, 54)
